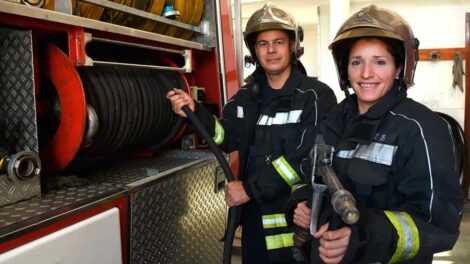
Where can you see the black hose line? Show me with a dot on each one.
(234, 213)
(460, 145)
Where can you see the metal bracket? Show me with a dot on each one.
(187, 55)
(219, 179)
(188, 59)
(205, 27)
(77, 42)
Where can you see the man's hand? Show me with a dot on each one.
(178, 99)
(333, 244)
(235, 194)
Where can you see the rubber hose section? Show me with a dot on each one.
(234, 213)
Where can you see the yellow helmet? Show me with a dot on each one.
(270, 17)
(372, 21)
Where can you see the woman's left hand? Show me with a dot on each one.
(302, 215)
(333, 244)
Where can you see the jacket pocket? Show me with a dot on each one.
(370, 182)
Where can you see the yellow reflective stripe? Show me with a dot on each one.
(219, 132)
(274, 220)
(1, 163)
(297, 186)
(279, 241)
(408, 236)
(286, 171)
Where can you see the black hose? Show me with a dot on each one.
(460, 145)
(234, 213)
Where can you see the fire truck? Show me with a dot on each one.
(94, 165)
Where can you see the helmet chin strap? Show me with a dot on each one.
(400, 83)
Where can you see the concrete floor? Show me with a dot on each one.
(460, 254)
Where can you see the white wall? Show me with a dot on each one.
(437, 24)
(310, 58)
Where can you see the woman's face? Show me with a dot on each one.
(371, 71)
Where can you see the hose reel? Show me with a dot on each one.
(107, 108)
(131, 106)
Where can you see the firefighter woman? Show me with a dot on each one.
(265, 121)
(393, 154)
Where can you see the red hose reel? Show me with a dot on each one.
(59, 149)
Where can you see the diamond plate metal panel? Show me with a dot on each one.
(17, 107)
(74, 189)
(178, 219)
(131, 172)
(57, 199)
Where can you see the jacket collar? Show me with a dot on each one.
(388, 102)
(362, 128)
(288, 88)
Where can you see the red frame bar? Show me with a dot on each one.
(231, 72)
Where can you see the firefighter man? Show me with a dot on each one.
(267, 122)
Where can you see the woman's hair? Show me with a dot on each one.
(394, 47)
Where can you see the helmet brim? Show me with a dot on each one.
(268, 26)
(361, 32)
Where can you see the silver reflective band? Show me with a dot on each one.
(408, 236)
(273, 221)
(240, 112)
(375, 152)
(280, 118)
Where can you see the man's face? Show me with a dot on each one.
(273, 49)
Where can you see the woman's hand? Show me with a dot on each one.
(302, 215)
(333, 244)
(178, 99)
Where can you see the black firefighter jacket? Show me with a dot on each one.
(398, 162)
(275, 137)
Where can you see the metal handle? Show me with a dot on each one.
(317, 198)
(219, 180)
(186, 54)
